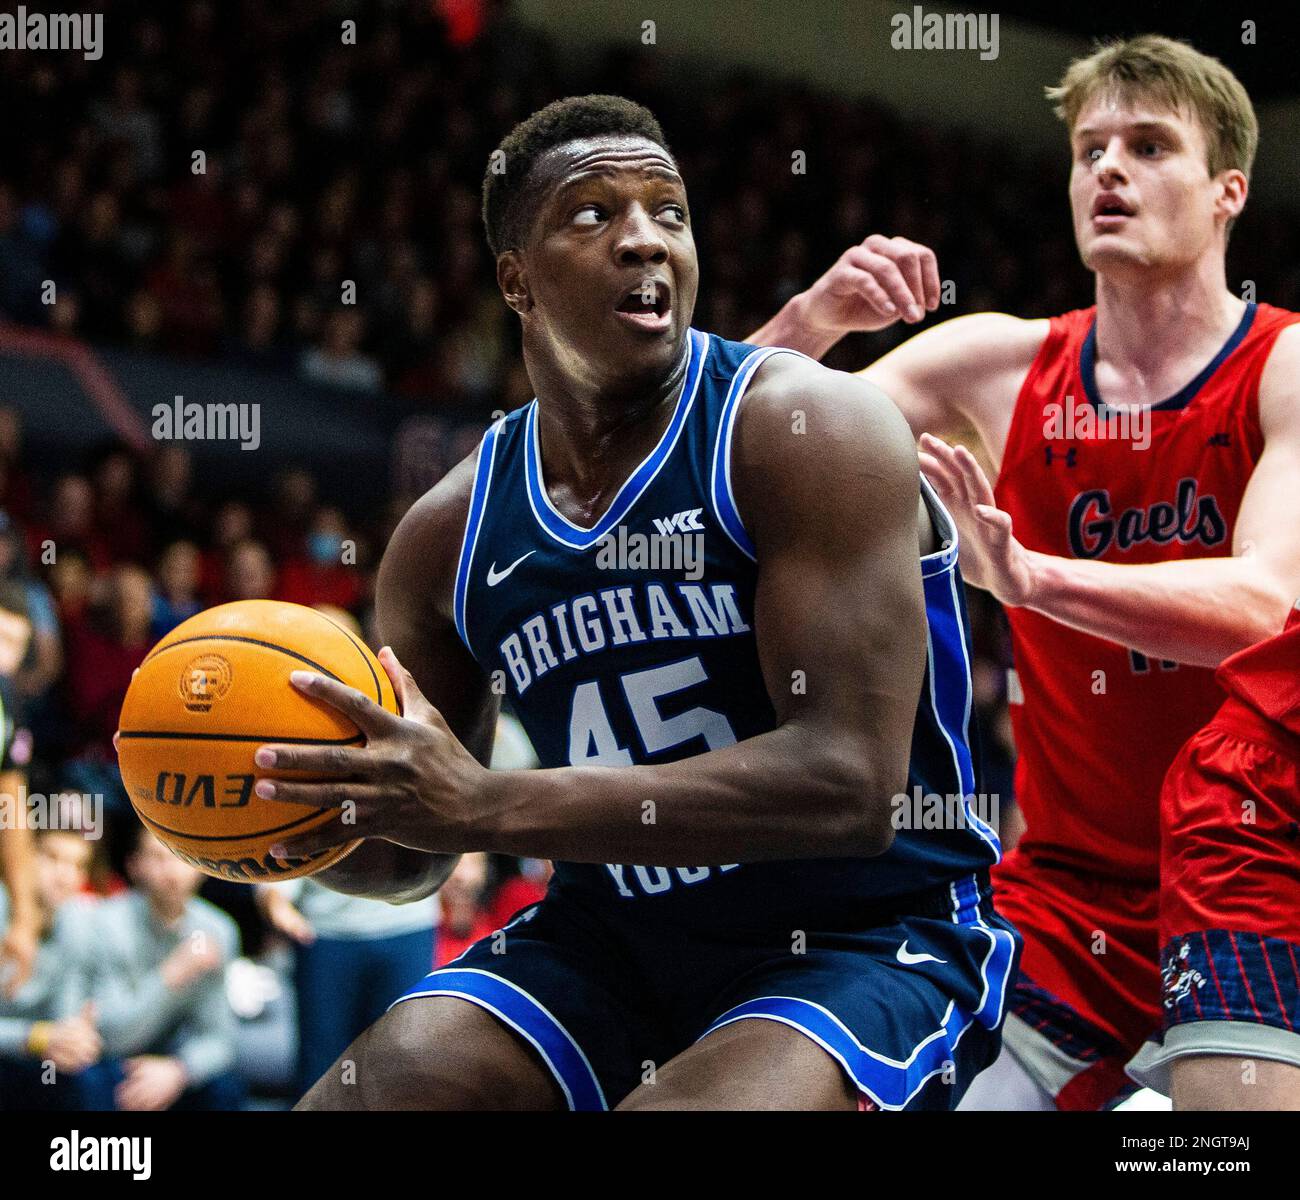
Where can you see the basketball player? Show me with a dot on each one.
(755, 715)
(1230, 895)
(1133, 555)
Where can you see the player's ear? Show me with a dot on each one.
(1232, 195)
(512, 279)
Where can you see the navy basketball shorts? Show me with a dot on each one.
(911, 1009)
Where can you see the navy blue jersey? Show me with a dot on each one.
(633, 642)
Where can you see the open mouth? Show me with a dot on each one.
(647, 306)
(1110, 208)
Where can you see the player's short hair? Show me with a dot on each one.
(1177, 76)
(508, 200)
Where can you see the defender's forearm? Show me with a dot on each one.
(780, 795)
(1197, 611)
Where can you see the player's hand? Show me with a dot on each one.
(872, 285)
(17, 956)
(153, 1082)
(74, 1043)
(412, 783)
(990, 558)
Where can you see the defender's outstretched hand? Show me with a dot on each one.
(991, 558)
(412, 783)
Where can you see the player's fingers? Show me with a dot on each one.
(941, 478)
(334, 761)
(907, 258)
(410, 699)
(368, 716)
(328, 793)
(980, 486)
(876, 297)
(941, 453)
(930, 277)
(890, 278)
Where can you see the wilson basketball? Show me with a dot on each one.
(211, 692)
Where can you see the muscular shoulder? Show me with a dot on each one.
(807, 435)
(423, 552)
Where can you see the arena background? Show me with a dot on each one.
(233, 205)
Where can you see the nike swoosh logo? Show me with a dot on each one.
(907, 958)
(494, 576)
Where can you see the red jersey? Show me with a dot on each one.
(1096, 724)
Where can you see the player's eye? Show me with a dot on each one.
(1151, 149)
(589, 215)
(676, 212)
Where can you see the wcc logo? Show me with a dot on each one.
(1094, 527)
(682, 522)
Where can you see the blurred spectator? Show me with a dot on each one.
(232, 524)
(71, 525)
(158, 986)
(16, 495)
(48, 1034)
(329, 573)
(120, 519)
(176, 599)
(464, 919)
(250, 574)
(174, 512)
(104, 647)
(338, 360)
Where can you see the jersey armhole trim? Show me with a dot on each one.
(720, 494)
(473, 526)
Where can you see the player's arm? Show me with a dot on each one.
(1196, 611)
(840, 623)
(968, 369)
(413, 607)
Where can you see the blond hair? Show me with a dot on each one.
(1176, 76)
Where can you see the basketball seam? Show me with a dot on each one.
(235, 637)
(379, 694)
(167, 734)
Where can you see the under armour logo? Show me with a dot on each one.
(1071, 456)
(682, 522)
(1219, 439)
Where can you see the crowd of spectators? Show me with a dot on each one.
(335, 172)
(326, 164)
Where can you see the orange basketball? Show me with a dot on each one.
(211, 692)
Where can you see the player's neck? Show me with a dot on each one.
(1145, 321)
(591, 433)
